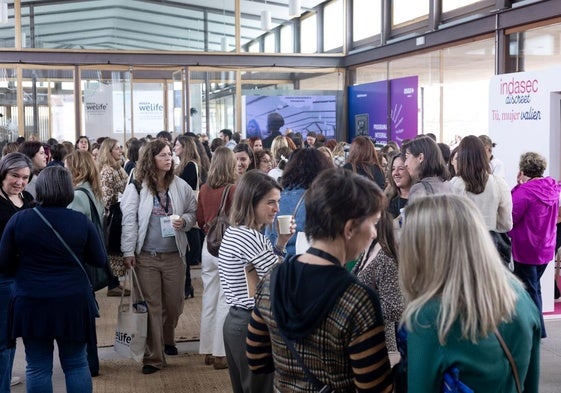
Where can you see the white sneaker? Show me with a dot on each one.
(15, 381)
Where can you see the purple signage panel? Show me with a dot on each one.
(368, 108)
(404, 108)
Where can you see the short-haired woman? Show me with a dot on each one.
(459, 294)
(53, 299)
(256, 202)
(222, 173)
(15, 170)
(155, 244)
(313, 304)
(426, 166)
(36, 152)
(535, 205)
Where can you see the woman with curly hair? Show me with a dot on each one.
(154, 245)
(535, 205)
(264, 160)
(300, 171)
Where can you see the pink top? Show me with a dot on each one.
(535, 205)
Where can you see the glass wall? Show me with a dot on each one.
(453, 87)
(8, 105)
(534, 49)
(48, 103)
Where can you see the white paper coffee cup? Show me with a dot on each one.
(284, 224)
(173, 217)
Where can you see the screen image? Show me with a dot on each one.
(301, 113)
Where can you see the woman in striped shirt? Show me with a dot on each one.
(314, 324)
(256, 202)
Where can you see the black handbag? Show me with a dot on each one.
(113, 229)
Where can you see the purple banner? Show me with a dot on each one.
(404, 108)
(370, 115)
(368, 108)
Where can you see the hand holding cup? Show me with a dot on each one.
(176, 222)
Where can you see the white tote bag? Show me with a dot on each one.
(132, 323)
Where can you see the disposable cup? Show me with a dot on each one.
(173, 218)
(284, 224)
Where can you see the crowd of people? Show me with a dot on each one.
(417, 257)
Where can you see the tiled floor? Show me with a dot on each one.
(550, 380)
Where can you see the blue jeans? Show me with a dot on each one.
(39, 370)
(530, 275)
(6, 354)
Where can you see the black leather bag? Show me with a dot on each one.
(112, 224)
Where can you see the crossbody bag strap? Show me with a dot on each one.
(510, 360)
(316, 382)
(321, 387)
(223, 199)
(63, 242)
(67, 248)
(299, 203)
(93, 209)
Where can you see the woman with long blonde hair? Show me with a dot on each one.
(459, 294)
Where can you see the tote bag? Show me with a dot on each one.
(132, 323)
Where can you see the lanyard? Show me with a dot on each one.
(166, 207)
(325, 255)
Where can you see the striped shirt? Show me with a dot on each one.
(240, 246)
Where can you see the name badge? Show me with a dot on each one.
(167, 229)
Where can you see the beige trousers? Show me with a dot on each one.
(162, 280)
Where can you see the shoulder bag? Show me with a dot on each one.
(218, 225)
(73, 255)
(98, 275)
(510, 360)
